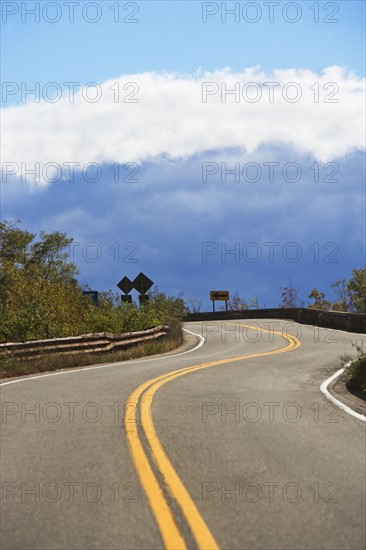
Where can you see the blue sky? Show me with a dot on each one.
(174, 222)
(170, 36)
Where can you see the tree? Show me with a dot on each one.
(168, 306)
(254, 303)
(319, 300)
(352, 293)
(39, 295)
(236, 302)
(194, 305)
(290, 296)
(13, 243)
(356, 288)
(49, 254)
(344, 300)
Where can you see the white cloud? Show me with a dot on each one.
(171, 119)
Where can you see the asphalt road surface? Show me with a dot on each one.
(231, 446)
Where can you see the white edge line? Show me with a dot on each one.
(82, 369)
(328, 395)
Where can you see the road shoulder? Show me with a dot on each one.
(339, 390)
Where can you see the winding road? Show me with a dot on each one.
(227, 443)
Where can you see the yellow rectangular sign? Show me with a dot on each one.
(219, 295)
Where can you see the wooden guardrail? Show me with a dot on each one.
(86, 343)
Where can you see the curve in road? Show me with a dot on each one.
(142, 458)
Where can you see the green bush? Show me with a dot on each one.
(167, 306)
(357, 374)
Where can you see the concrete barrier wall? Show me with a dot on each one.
(351, 322)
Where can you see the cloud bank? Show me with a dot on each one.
(191, 236)
(143, 117)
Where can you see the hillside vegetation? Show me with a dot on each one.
(40, 296)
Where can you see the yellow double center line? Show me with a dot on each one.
(143, 396)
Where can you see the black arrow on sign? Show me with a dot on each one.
(218, 295)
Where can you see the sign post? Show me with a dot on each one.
(126, 286)
(219, 295)
(141, 283)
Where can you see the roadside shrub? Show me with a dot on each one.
(357, 374)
